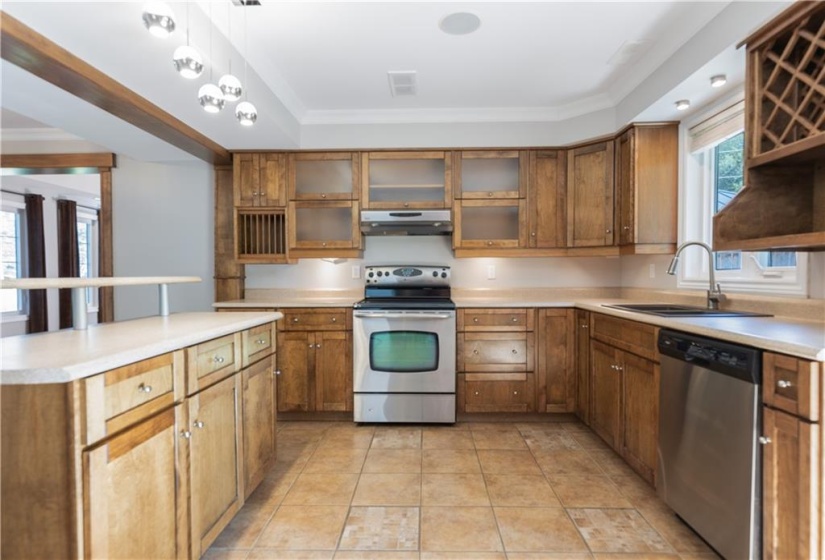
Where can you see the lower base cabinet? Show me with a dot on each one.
(605, 393)
(640, 429)
(258, 390)
(315, 371)
(498, 392)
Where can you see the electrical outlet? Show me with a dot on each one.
(491, 272)
(356, 271)
(652, 270)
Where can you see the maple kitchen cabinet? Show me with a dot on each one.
(259, 179)
(647, 174)
(324, 176)
(792, 461)
(555, 370)
(547, 199)
(323, 229)
(406, 180)
(490, 175)
(315, 361)
(490, 224)
(590, 195)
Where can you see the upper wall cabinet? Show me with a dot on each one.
(394, 180)
(647, 176)
(260, 179)
(490, 174)
(324, 176)
(547, 205)
(783, 203)
(590, 195)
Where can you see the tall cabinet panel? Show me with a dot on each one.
(548, 199)
(590, 195)
(556, 374)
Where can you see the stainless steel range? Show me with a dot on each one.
(404, 346)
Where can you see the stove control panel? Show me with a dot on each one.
(396, 275)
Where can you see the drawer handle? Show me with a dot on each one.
(186, 434)
(143, 388)
(475, 319)
(475, 351)
(764, 440)
(515, 319)
(783, 384)
(514, 351)
(260, 341)
(218, 359)
(626, 228)
(585, 326)
(198, 424)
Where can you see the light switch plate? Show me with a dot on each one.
(652, 270)
(356, 271)
(491, 272)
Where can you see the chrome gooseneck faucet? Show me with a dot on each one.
(715, 295)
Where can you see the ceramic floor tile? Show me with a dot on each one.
(617, 530)
(681, 537)
(554, 441)
(589, 440)
(244, 529)
(495, 439)
(567, 462)
(538, 530)
(459, 529)
(453, 490)
(274, 554)
(376, 555)
(336, 460)
(520, 490)
(587, 491)
(397, 438)
(576, 426)
(274, 486)
(349, 438)
(463, 556)
(304, 528)
(381, 528)
(636, 490)
(393, 461)
(541, 428)
(611, 463)
(436, 438)
(641, 556)
(216, 553)
(502, 461)
(493, 426)
(294, 453)
(321, 489)
(551, 556)
(388, 490)
(450, 461)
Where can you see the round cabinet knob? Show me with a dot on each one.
(335, 319)
(143, 388)
(608, 231)
(585, 327)
(783, 384)
(514, 351)
(218, 359)
(476, 393)
(277, 372)
(317, 346)
(323, 196)
(260, 341)
(186, 434)
(406, 205)
(515, 392)
(475, 319)
(489, 243)
(626, 228)
(515, 319)
(312, 346)
(198, 424)
(490, 194)
(532, 234)
(295, 319)
(324, 244)
(475, 351)
(764, 440)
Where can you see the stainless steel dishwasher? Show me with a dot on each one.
(709, 462)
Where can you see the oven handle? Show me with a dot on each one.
(397, 315)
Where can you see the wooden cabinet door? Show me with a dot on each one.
(323, 227)
(258, 422)
(547, 197)
(135, 492)
(556, 375)
(791, 506)
(325, 176)
(590, 196)
(640, 381)
(272, 180)
(296, 377)
(490, 175)
(245, 179)
(214, 461)
(393, 180)
(498, 392)
(583, 366)
(625, 188)
(333, 371)
(490, 224)
(605, 393)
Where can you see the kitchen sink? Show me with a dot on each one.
(671, 310)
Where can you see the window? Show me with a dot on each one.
(714, 174)
(87, 250)
(12, 253)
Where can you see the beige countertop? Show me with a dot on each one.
(66, 355)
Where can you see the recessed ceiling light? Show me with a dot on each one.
(459, 23)
(718, 81)
(682, 104)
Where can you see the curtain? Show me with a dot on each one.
(36, 260)
(68, 259)
(713, 130)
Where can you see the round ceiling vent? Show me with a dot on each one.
(459, 23)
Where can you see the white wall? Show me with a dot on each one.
(163, 219)
(311, 274)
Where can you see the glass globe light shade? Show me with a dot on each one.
(246, 113)
(231, 87)
(159, 19)
(188, 62)
(211, 98)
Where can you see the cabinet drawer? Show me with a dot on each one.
(495, 352)
(124, 396)
(211, 361)
(317, 320)
(495, 319)
(498, 392)
(791, 384)
(637, 338)
(258, 342)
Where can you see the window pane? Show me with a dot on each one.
(729, 175)
(404, 351)
(10, 257)
(728, 260)
(781, 258)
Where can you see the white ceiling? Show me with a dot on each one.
(324, 64)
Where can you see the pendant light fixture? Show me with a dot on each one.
(229, 84)
(159, 19)
(187, 60)
(245, 112)
(210, 96)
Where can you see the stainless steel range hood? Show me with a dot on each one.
(406, 222)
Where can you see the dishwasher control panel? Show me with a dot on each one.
(738, 361)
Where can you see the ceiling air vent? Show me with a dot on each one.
(246, 2)
(403, 83)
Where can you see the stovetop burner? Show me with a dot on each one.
(405, 303)
(406, 287)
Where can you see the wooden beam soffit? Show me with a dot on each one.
(31, 51)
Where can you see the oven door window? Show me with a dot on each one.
(403, 351)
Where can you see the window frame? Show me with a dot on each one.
(697, 203)
(90, 216)
(12, 202)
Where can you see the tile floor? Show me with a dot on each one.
(474, 491)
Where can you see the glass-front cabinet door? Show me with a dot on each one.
(324, 176)
(393, 180)
(490, 224)
(490, 174)
(323, 228)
